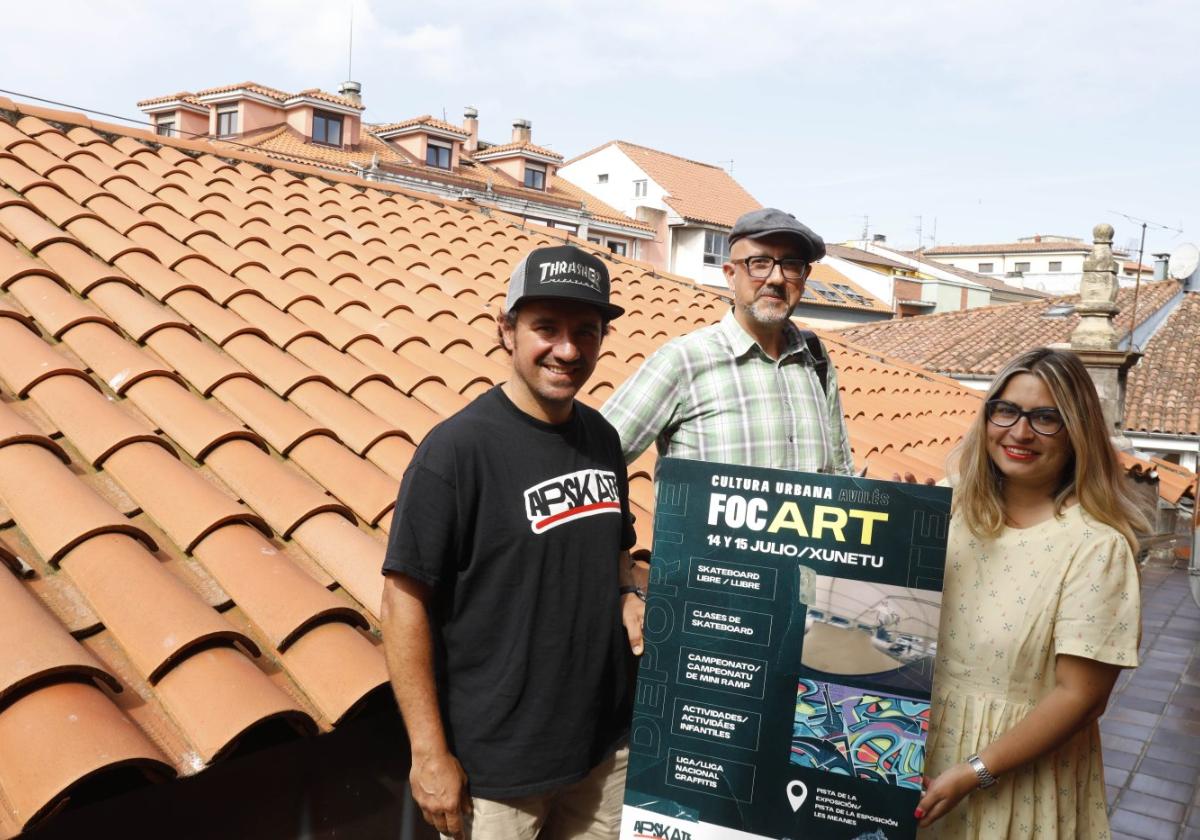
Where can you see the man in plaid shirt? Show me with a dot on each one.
(747, 389)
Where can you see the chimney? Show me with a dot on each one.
(1037, 237)
(1095, 341)
(522, 131)
(352, 91)
(879, 238)
(471, 126)
(1160, 266)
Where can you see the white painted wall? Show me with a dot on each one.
(878, 284)
(687, 257)
(1039, 276)
(618, 191)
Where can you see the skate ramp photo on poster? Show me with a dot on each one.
(869, 630)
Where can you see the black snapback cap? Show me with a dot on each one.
(561, 272)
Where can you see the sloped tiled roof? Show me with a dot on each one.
(1026, 247)
(979, 341)
(508, 148)
(827, 286)
(426, 119)
(858, 255)
(1163, 391)
(699, 192)
(213, 372)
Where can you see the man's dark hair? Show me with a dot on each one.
(510, 321)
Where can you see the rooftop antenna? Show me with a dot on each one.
(729, 168)
(350, 51)
(920, 241)
(1137, 271)
(866, 228)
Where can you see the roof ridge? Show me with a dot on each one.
(671, 155)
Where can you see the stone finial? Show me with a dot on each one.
(1098, 295)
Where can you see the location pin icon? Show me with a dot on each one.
(797, 792)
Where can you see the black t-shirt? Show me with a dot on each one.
(517, 525)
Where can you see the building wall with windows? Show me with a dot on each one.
(687, 257)
(610, 175)
(1054, 272)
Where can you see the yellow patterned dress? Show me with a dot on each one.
(1010, 605)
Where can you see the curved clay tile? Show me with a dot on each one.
(406, 413)
(340, 332)
(361, 485)
(281, 495)
(20, 177)
(75, 733)
(46, 651)
(141, 201)
(81, 271)
(191, 510)
(55, 309)
(202, 366)
(348, 554)
(52, 203)
(153, 277)
(15, 429)
(278, 370)
(32, 230)
(192, 423)
(213, 320)
(14, 264)
(337, 668)
(119, 363)
(56, 511)
(280, 598)
(345, 372)
(280, 423)
(28, 360)
(93, 424)
(217, 696)
(281, 328)
(137, 315)
(158, 621)
(354, 424)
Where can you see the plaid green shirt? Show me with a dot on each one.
(714, 395)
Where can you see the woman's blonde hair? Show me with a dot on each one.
(1092, 475)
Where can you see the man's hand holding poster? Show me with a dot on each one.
(790, 631)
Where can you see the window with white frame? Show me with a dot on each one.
(535, 176)
(987, 268)
(639, 188)
(227, 121)
(1056, 265)
(716, 247)
(617, 247)
(327, 128)
(602, 178)
(1022, 267)
(165, 126)
(438, 154)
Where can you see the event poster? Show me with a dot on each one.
(791, 627)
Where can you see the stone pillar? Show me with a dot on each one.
(1098, 295)
(1095, 340)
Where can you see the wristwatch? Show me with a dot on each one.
(632, 590)
(986, 779)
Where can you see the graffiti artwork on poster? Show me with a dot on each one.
(790, 630)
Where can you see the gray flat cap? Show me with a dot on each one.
(759, 223)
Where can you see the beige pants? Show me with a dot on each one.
(590, 809)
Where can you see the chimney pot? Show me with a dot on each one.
(522, 131)
(352, 91)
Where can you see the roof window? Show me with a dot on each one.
(227, 121)
(327, 128)
(438, 155)
(535, 176)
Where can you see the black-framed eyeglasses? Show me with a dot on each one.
(760, 267)
(1044, 421)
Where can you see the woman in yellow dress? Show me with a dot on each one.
(1041, 610)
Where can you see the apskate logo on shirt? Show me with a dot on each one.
(646, 830)
(571, 496)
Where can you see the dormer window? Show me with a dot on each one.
(327, 128)
(227, 121)
(438, 154)
(165, 126)
(535, 176)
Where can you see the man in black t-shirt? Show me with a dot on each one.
(509, 592)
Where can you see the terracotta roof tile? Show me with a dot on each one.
(267, 346)
(699, 192)
(1163, 392)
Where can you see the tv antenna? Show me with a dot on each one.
(1137, 272)
(729, 168)
(350, 50)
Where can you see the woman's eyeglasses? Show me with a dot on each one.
(1044, 421)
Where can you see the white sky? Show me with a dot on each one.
(997, 119)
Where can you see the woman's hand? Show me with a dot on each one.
(944, 792)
